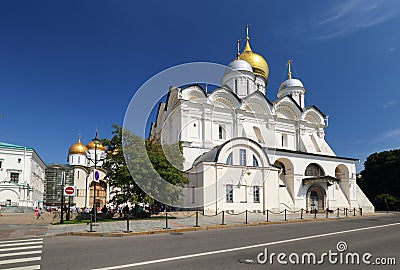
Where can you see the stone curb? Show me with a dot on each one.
(201, 228)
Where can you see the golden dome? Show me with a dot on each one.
(256, 61)
(91, 145)
(77, 148)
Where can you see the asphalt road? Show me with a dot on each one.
(235, 248)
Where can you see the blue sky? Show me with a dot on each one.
(73, 66)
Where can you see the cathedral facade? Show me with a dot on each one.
(81, 159)
(245, 152)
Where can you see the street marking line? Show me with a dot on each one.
(240, 248)
(29, 267)
(20, 260)
(20, 253)
(20, 248)
(22, 240)
(22, 244)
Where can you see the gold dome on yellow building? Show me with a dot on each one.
(91, 145)
(77, 148)
(257, 62)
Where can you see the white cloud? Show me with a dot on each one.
(391, 103)
(395, 133)
(392, 135)
(352, 16)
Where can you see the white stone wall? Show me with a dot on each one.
(28, 192)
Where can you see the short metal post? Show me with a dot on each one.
(354, 214)
(166, 222)
(327, 213)
(91, 223)
(197, 219)
(127, 225)
(345, 211)
(387, 206)
(301, 215)
(338, 212)
(285, 215)
(315, 213)
(267, 215)
(223, 218)
(246, 218)
(360, 211)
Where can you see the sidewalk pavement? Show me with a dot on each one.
(24, 225)
(183, 223)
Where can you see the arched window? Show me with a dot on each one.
(221, 132)
(229, 160)
(243, 158)
(255, 161)
(281, 166)
(337, 172)
(314, 170)
(258, 134)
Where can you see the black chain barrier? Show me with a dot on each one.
(246, 212)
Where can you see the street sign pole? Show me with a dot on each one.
(62, 196)
(69, 208)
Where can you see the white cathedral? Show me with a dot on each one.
(81, 158)
(244, 152)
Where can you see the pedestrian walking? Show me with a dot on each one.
(36, 213)
(40, 213)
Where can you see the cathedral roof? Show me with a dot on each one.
(256, 61)
(77, 148)
(213, 154)
(291, 83)
(239, 65)
(92, 145)
(317, 109)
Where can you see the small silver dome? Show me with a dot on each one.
(239, 65)
(291, 83)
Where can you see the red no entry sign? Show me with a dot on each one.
(69, 191)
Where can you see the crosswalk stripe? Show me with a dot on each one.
(22, 244)
(21, 240)
(20, 248)
(20, 260)
(30, 267)
(20, 253)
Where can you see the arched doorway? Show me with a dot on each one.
(316, 196)
(101, 194)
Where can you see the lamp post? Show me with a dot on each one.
(62, 194)
(96, 142)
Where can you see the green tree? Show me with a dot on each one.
(386, 201)
(150, 165)
(381, 175)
